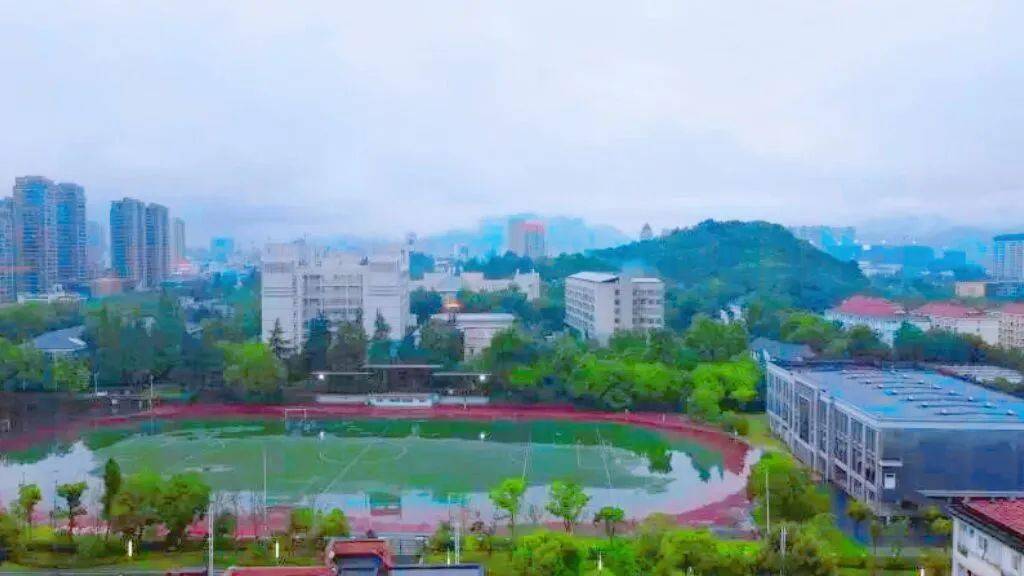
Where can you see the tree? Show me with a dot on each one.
(547, 554)
(348, 347)
(442, 342)
(276, 340)
(381, 328)
(716, 341)
(111, 486)
(314, 350)
(508, 496)
(334, 524)
(716, 385)
(183, 498)
(794, 496)
(72, 495)
(862, 342)
(610, 516)
(136, 505)
(29, 496)
(69, 375)
(858, 512)
(252, 367)
(875, 529)
(566, 500)
(10, 536)
(424, 304)
(803, 554)
(300, 522)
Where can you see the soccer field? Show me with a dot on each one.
(412, 469)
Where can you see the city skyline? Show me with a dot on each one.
(816, 114)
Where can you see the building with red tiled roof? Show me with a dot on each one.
(280, 571)
(988, 537)
(958, 319)
(1011, 326)
(883, 316)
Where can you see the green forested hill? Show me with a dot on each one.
(738, 258)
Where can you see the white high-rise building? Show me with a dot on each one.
(177, 243)
(1008, 257)
(598, 303)
(300, 283)
(527, 238)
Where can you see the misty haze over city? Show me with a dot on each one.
(263, 120)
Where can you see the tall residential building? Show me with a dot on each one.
(177, 243)
(7, 261)
(158, 245)
(526, 238)
(1008, 257)
(597, 304)
(128, 240)
(300, 283)
(71, 233)
(646, 233)
(222, 248)
(35, 227)
(95, 248)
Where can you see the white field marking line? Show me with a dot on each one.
(526, 454)
(353, 462)
(604, 456)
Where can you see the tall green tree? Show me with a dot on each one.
(111, 486)
(508, 497)
(314, 350)
(566, 500)
(547, 554)
(183, 498)
(610, 517)
(424, 304)
(72, 495)
(348, 347)
(29, 496)
(252, 367)
(442, 342)
(276, 340)
(137, 505)
(715, 341)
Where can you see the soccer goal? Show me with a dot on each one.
(295, 416)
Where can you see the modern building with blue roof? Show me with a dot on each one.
(893, 438)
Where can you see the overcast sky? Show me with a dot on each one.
(265, 120)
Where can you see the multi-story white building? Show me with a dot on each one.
(478, 329)
(300, 283)
(1008, 257)
(448, 284)
(882, 316)
(1011, 326)
(958, 319)
(7, 255)
(598, 303)
(988, 537)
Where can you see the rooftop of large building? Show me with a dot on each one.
(948, 310)
(869, 306)
(1015, 308)
(1009, 237)
(913, 395)
(599, 277)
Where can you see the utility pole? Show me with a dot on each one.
(209, 536)
(265, 503)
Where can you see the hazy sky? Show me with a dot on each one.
(279, 118)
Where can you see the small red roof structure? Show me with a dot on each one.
(1002, 517)
(1015, 308)
(340, 548)
(869, 306)
(948, 310)
(279, 571)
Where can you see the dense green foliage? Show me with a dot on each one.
(19, 322)
(794, 496)
(705, 371)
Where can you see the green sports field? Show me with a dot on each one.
(406, 470)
